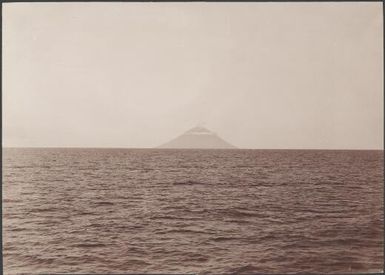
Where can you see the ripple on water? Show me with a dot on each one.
(234, 212)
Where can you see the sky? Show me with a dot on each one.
(136, 75)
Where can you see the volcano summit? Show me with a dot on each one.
(198, 138)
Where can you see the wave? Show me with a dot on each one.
(89, 245)
(189, 182)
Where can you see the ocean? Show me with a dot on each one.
(192, 211)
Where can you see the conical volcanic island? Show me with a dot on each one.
(198, 138)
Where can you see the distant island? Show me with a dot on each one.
(198, 138)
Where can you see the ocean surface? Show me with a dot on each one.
(192, 211)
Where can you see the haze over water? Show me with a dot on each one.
(192, 211)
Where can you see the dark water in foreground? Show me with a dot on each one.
(192, 211)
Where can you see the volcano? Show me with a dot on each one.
(198, 138)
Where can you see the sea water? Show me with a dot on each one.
(192, 211)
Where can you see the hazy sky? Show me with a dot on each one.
(260, 75)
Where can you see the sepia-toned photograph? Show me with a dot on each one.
(192, 138)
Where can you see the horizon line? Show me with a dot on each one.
(157, 148)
